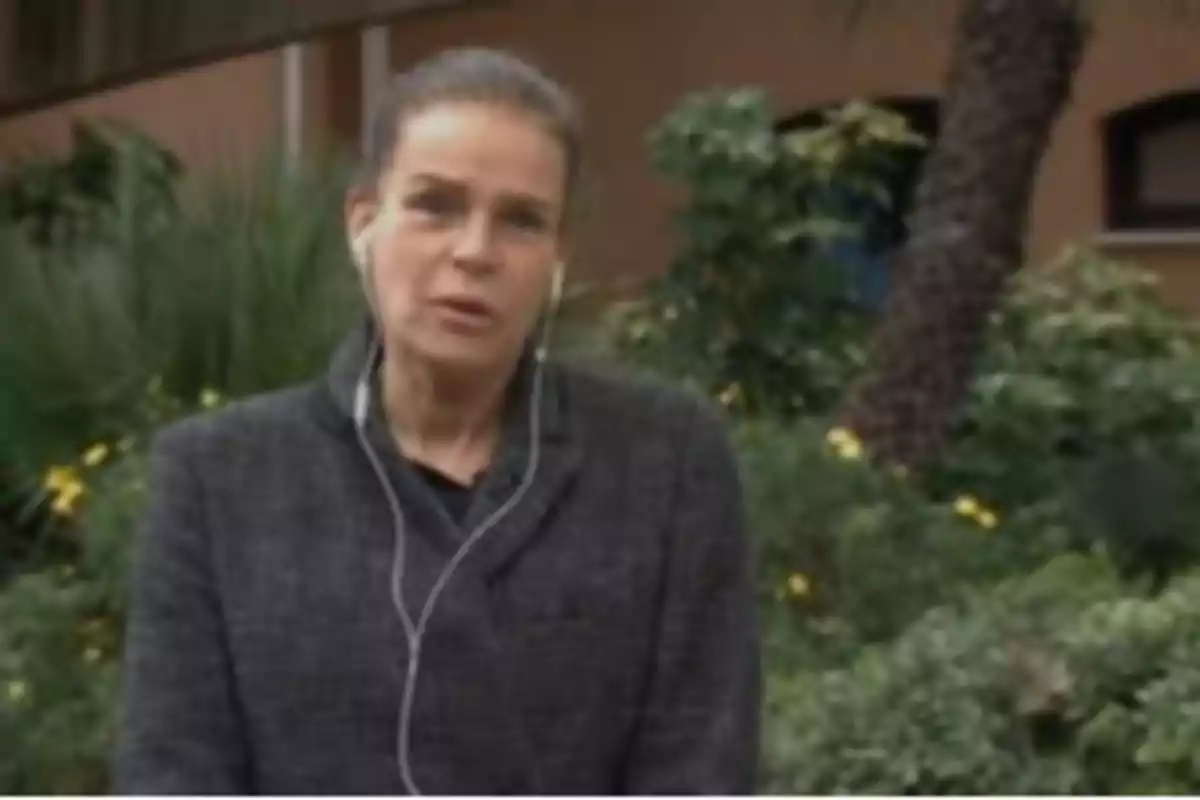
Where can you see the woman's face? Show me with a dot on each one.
(461, 268)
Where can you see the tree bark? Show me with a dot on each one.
(1011, 71)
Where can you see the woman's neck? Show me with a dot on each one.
(449, 423)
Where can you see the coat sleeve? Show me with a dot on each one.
(180, 730)
(699, 730)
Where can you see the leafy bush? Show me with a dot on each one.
(1086, 402)
(755, 302)
(1064, 681)
(60, 642)
(62, 198)
(247, 289)
(1140, 502)
(244, 288)
(850, 555)
(1082, 358)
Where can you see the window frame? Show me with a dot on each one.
(1124, 132)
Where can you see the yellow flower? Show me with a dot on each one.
(95, 455)
(58, 478)
(972, 509)
(210, 398)
(845, 443)
(91, 655)
(799, 585)
(66, 499)
(838, 436)
(967, 506)
(851, 451)
(17, 691)
(730, 395)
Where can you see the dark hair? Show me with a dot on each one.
(474, 74)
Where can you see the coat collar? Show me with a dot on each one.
(559, 454)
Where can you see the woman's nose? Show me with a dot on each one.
(473, 245)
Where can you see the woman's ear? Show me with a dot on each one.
(359, 215)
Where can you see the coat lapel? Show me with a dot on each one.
(475, 656)
(521, 523)
(469, 735)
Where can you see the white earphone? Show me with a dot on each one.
(414, 628)
(360, 245)
(556, 285)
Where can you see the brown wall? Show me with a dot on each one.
(213, 117)
(1138, 54)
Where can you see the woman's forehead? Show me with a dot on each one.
(481, 146)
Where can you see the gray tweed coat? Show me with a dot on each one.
(601, 639)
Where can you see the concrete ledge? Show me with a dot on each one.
(1148, 238)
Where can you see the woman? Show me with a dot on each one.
(450, 566)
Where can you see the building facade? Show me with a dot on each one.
(1122, 172)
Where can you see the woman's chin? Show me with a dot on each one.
(463, 356)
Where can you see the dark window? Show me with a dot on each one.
(1153, 164)
(884, 226)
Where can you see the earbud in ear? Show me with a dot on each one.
(556, 284)
(360, 244)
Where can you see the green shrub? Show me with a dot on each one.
(247, 289)
(56, 689)
(754, 302)
(850, 555)
(1066, 681)
(1086, 402)
(1082, 359)
(1141, 502)
(58, 198)
(60, 641)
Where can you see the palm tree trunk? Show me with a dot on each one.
(1011, 71)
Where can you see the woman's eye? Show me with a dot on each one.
(432, 203)
(526, 219)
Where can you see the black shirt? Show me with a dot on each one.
(455, 497)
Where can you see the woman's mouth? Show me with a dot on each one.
(465, 314)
